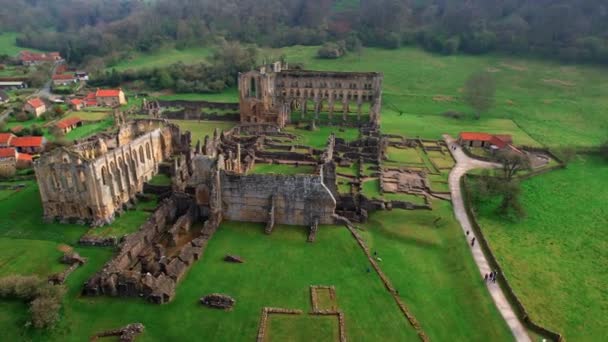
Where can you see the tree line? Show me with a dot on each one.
(564, 29)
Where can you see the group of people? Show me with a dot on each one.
(490, 277)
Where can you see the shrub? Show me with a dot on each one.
(331, 51)
(45, 298)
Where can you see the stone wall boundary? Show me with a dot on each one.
(267, 311)
(520, 309)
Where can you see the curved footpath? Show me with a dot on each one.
(463, 165)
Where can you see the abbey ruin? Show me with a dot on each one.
(272, 93)
(92, 180)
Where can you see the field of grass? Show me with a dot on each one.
(164, 58)
(282, 169)
(93, 115)
(8, 45)
(160, 179)
(371, 313)
(556, 258)
(200, 129)
(302, 328)
(404, 155)
(27, 257)
(89, 129)
(536, 101)
(318, 138)
(230, 95)
(430, 265)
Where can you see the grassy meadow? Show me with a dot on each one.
(425, 255)
(9, 46)
(555, 258)
(163, 58)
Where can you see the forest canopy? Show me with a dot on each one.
(563, 29)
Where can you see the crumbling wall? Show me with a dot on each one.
(298, 199)
(154, 259)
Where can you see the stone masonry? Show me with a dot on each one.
(270, 94)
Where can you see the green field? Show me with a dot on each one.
(555, 259)
(230, 95)
(8, 45)
(536, 101)
(282, 169)
(164, 58)
(425, 255)
(160, 179)
(318, 138)
(89, 115)
(200, 129)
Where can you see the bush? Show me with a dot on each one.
(331, 51)
(45, 298)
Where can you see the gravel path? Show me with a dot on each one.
(463, 165)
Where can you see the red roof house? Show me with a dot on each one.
(5, 139)
(35, 106)
(30, 58)
(69, 124)
(62, 79)
(29, 144)
(90, 100)
(478, 139)
(110, 97)
(77, 104)
(8, 152)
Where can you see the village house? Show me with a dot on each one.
(64, 79)
(29, 144)
(35, 106)
(110, 97)
(485, 140)
(76, 104)
(11, 160)
(66, 125)
(5, 139)
(31, 58)
(81, 75)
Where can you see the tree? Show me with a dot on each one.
(479, 90)
(512, 162)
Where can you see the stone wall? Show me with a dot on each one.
(91, 181)
(154, 259)
(298, 199)
(270, 94)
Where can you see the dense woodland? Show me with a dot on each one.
(82, 29)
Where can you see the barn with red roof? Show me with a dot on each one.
(35, 106)
(110, 97)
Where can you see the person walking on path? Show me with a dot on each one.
(485, 278)
(472, 242)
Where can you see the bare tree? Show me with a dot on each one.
(512, 162)
(479, 90)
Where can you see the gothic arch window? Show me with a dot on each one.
(104, 175)
(141, 154)
(148, 153)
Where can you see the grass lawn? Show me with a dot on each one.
(555, 259)
(530, 104)
(404, 197)
(403, 155)
(370, 312)
(160, 179)
(164, 57)
(434, 272)
(371, 188)
(200, 129)
(9, 46)
(319, 137)
(230, 95)
(282, 169)
(127, 223)
(302, 328)
(95, 115)
(352, 170)
(26, 257)
(89, 129)
(443, 161)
